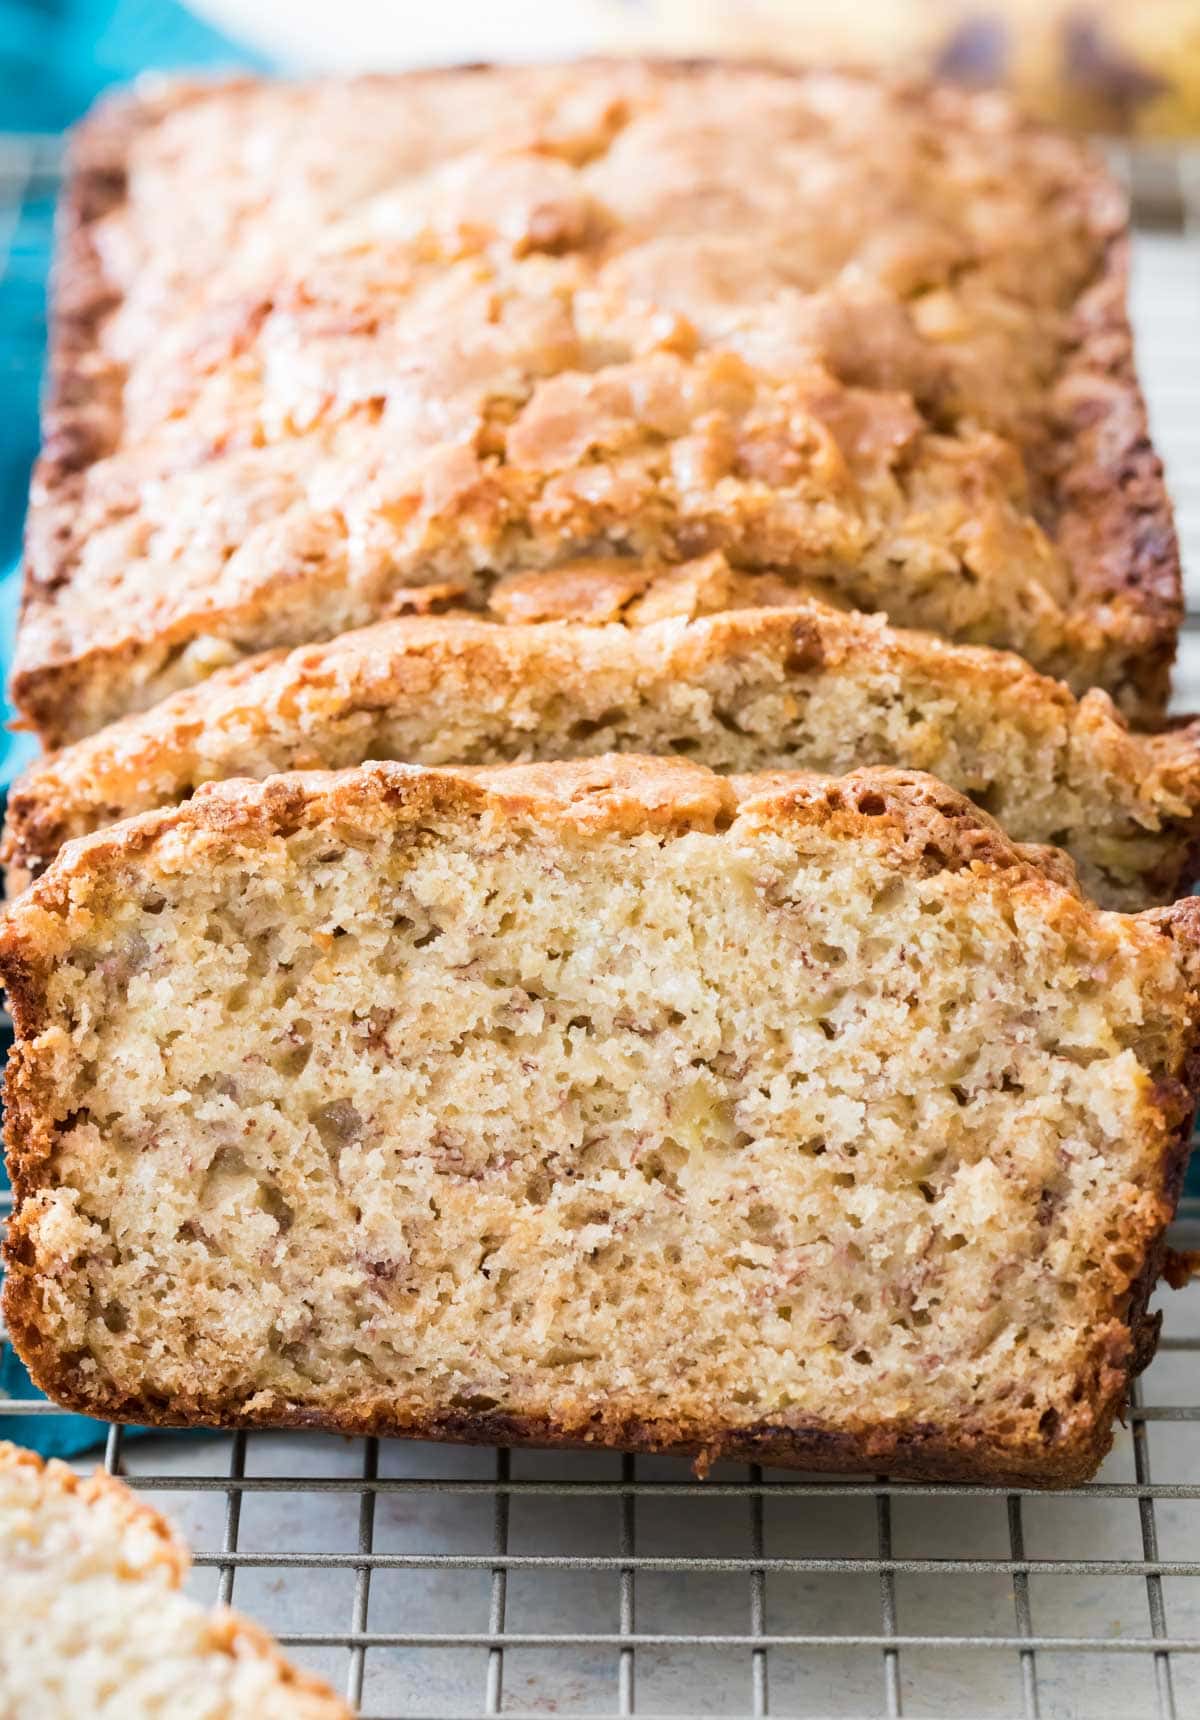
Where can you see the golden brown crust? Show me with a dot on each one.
(933, 826)
(1097, 481)
(1181, 923)
(915, 1451)
(394, 689)
(1116, 524)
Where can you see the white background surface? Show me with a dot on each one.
(1166, 308)
(376, 35)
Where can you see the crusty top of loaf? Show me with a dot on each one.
(802, 685)
(314, 342)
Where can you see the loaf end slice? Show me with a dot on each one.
(96, 1623)
(468, 324)
(798, 686)
(614, 1102)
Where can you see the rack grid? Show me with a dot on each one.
(454, 1581)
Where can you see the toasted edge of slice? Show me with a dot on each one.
(798, 686)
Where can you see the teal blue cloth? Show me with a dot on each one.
(57, 55)
(16, 749)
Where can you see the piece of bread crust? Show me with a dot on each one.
(84, 1559)
(800, 686)
(78, 956)
(493, 327)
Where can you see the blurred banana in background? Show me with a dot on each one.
(1117, 66)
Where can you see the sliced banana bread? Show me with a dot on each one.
(749, 690)
(802, 1119)
(315, 343)
(95, 1626)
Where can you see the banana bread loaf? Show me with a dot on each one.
(801, 686)
(802, 1119)
(95, 1626)
(315, 344)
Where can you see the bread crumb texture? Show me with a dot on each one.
(800, 685)
(498, 321)
(95, 1625)
(611, 1101)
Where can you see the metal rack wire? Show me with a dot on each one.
(435, 1581)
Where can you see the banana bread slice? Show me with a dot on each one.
(95, 1625)
(316, 343)
(802, 686)
(615, 1101)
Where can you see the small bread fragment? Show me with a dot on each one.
(96, 1628)
(612, 1102)
(797, 686)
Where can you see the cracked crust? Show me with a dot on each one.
(601, 665)
(41, 1531)
(927, 830)
(1031, 515)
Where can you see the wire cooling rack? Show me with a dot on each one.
(437, 1581)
